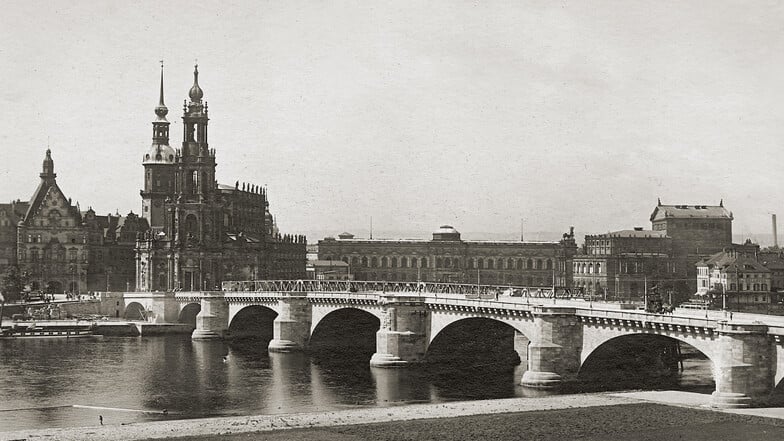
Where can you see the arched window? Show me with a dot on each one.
(191, 226)
(374, 262)
(519, 264)
(439, 262)
(549, 264)
(365, 262)
(456, 263)
(384, 262)
(423, 263)
(447, 262)
(403, 262)
(590, 268)
(490, 263)
(538, 263)
(194, 181)
(530, 264)
(510, 263)
(598, 269)
(345, 259)
(480, 264)
(394, 262)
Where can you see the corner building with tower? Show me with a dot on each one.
(201, 232)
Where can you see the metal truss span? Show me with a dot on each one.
(349, 286)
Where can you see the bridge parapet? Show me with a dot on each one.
(412, 287)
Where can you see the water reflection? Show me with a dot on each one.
(133, 379)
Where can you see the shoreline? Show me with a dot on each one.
(221, 426)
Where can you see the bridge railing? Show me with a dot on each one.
(364, 286)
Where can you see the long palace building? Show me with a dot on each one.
(448, 258)
(201, 232)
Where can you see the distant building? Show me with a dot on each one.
(624, 264)
(203, 233)
(774, 261)
(448, 258)
(736, 274)
(60, 249)
(328, 270)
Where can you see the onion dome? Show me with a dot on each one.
(196, 93)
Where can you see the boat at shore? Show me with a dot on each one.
(32, 330)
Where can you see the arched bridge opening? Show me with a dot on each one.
(345, 336)
(135, 311)
(646, 361)
(253, 323)
(476, 357)
(188, 314)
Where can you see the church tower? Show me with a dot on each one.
(159, 169)
(198, 215)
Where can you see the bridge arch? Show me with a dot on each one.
(637, 359)
(188, 313)
(253, 321)
(349, 331)
(135, 311)
(478, 342)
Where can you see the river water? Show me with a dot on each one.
(64, 383)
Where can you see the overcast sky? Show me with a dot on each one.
(418, 114)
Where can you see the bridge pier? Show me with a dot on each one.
(402, 337)
(744, 366)
(291, 328)
(212, 322)
(554, 351)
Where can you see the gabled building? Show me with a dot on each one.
(61, 249)
(738, 275)
(201, 232)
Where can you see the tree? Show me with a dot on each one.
(12, 283)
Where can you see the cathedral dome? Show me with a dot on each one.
(159, 154)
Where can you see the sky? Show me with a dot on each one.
(417, 114)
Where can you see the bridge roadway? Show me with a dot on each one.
(560, 331)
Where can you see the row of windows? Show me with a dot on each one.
(446, 262)
(36, 255)
(487, 279)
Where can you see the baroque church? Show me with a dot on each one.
(201, 232)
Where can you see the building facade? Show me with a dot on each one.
(60, 249)
(624, 265)
(735, 275)
(448, 258)
(202, 233)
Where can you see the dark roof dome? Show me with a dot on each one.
(446, 232)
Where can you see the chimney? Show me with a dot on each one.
(775, 233)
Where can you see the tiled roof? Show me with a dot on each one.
(732, 262)
(690, 212)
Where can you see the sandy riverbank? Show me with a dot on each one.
(552, 417)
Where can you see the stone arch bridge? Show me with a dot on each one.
(561, 331)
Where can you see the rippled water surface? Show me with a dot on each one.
(59, 383)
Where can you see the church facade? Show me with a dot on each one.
(201, 232)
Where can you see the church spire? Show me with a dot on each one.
(161, 110)
(160, 127)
